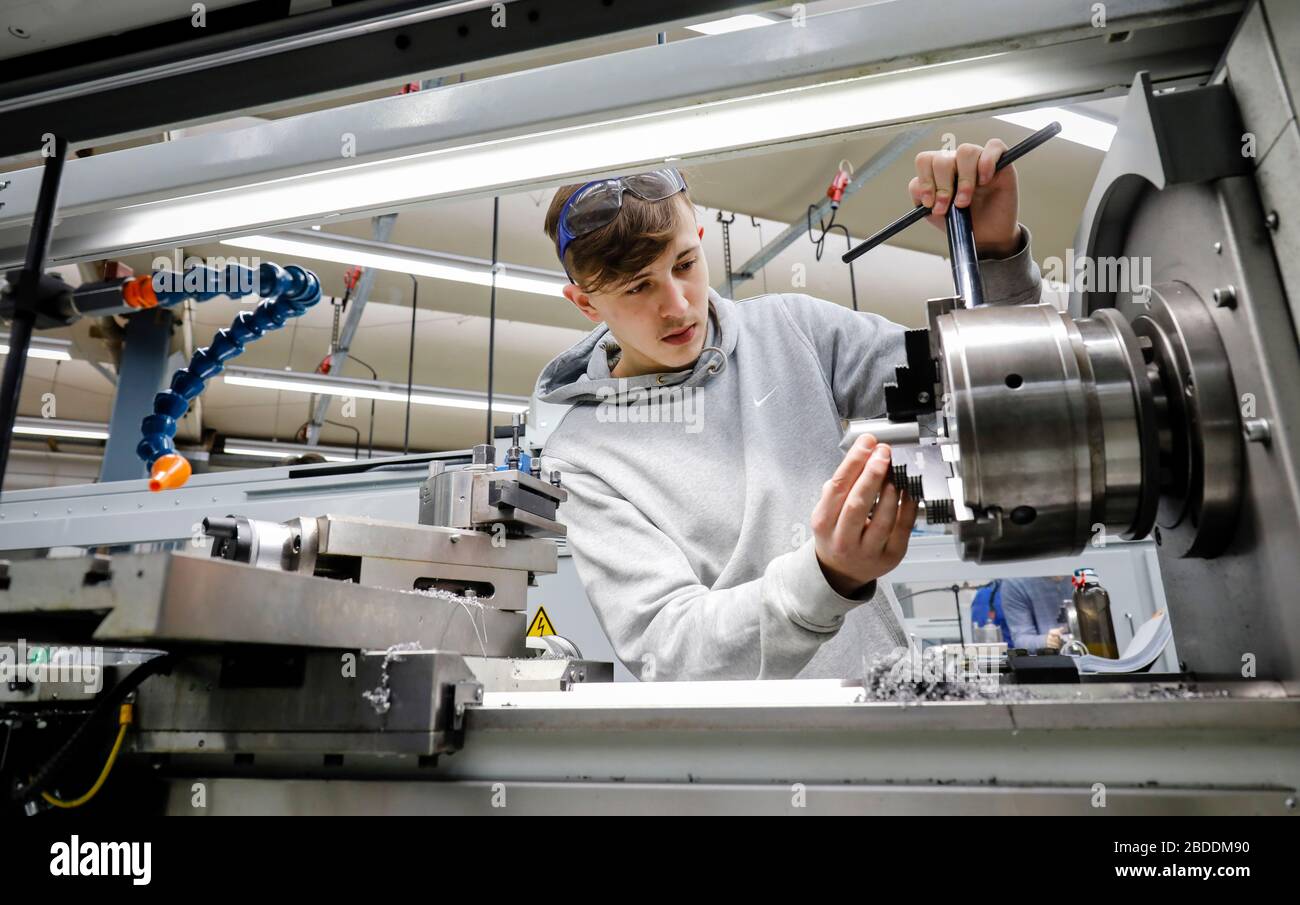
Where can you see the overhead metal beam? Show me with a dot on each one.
(215, 73)
(127, 512)
(862, 41)
(190, 190)
(896, 147)
(142, 373)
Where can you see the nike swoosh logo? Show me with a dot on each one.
(758, 402)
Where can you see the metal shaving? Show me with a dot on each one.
(468, 602)
(433, 592)
(901, 677)
(1180, 692)
(906, 678)
(380, 697)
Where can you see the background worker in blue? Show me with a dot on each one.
(1032, 607)
(987, 607)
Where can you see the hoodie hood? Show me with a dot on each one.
(578, 374)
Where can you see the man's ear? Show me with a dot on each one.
(701, 232)
(573, 292)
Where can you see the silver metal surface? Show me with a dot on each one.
(1263, 69)
(700, 745)
(503, 589)
(315, 703)
(800, 705)
(157, 196)
(478, 498)
(163, 599)
(884, 430)
(537, 673)
(1201, 496)
(366, 537)
(446, 499)
(495, 568)
(291, 546)
(1054, 426)
(231, 796)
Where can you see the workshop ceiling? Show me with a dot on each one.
(765, 190)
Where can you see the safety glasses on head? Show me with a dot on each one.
(597, 204)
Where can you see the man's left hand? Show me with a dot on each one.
(966, 177)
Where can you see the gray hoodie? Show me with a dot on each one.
(690, 492)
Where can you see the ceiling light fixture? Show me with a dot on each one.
(53, 349)
(317, 384)
(51, 427)
(733, 23)
(1075, 127)
(349, 250)
(269, 449)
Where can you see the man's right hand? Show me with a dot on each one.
(860, 525)
(1053, 640)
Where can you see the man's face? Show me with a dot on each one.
(660, 316)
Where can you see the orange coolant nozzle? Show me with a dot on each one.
(138, 293)
(169, 472)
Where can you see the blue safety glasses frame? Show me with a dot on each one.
(598, 203)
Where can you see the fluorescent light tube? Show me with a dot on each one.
(296, 382)
(734, 23)
(53, 349)
(267, 453)
(1075, 127)
(78, 430)
(323, 246)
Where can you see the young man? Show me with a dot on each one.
(716, 529)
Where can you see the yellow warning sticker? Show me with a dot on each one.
(541, 625)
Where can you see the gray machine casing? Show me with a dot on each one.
(1182, 159)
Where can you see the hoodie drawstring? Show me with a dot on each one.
(714, 368)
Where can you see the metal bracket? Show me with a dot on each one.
(1178, 137)
(463, 694)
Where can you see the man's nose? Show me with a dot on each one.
(675, 304)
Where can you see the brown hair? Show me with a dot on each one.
(615, 253)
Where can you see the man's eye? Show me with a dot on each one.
(686, 265)
(635, 289)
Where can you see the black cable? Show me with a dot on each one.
(492, 318)
(106, 706)
(819, 242)
(370, 443)
(956, 597)
(853, 283)
(300, 436)
(956, 603)
(410, 364)
(356, 447)
(946, 589)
